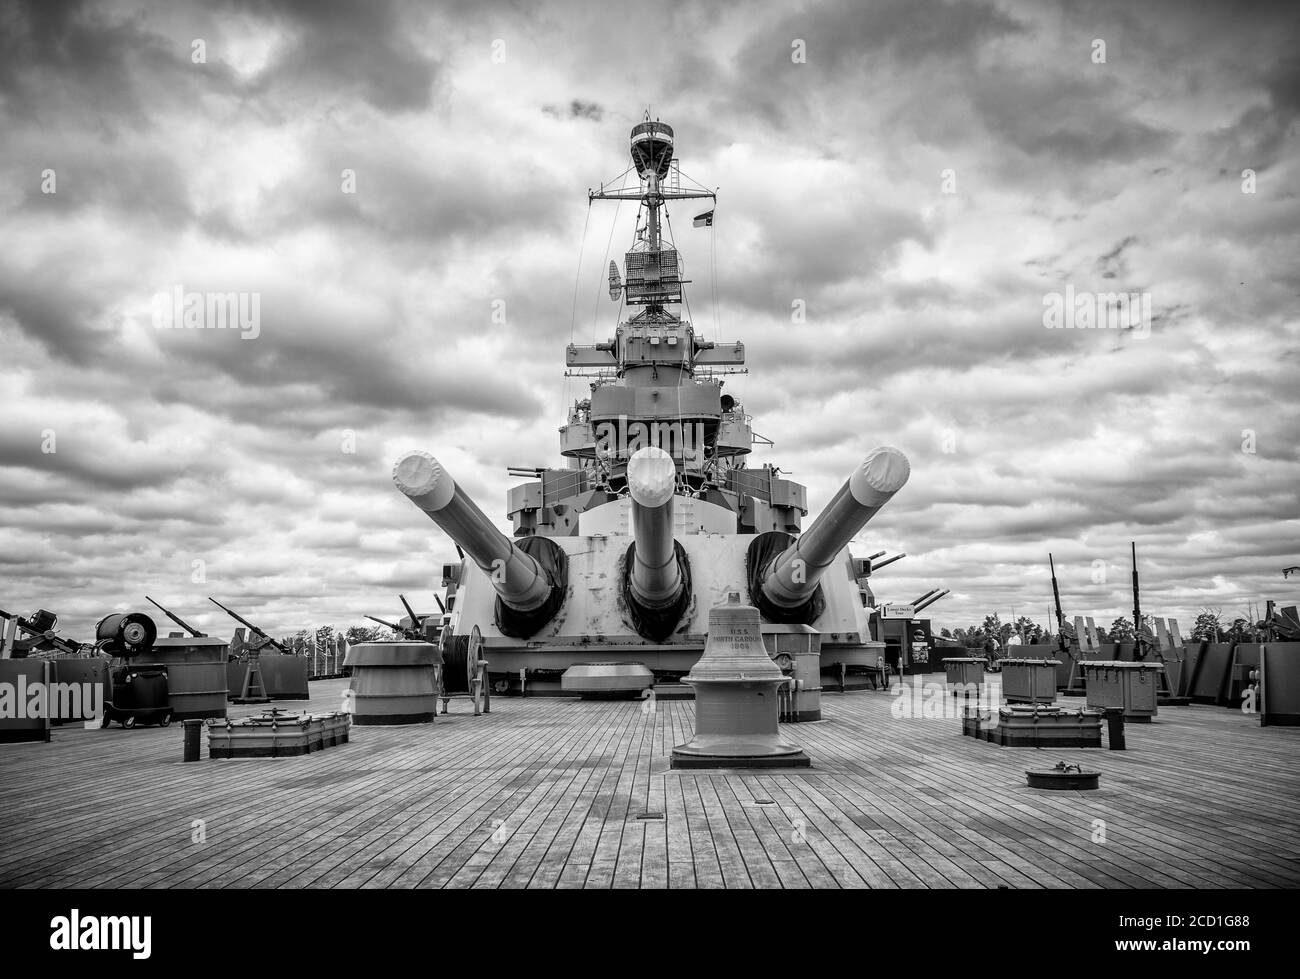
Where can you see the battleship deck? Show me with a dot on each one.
(553, 793)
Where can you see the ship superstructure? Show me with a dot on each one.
(658, 382)
(657, 514)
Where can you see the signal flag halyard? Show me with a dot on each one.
(704, 220)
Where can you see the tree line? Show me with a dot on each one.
(327, 634)
(1209, 625)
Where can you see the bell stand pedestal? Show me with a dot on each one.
(737, 711)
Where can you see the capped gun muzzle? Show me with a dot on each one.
(657, 579)
(651, 478)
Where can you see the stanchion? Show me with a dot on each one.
(1115, 729)
(193, 739)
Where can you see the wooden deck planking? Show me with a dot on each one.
(1051, 857)
(1203, 798)
(555, 836)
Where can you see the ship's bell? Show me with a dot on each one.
(736, 710)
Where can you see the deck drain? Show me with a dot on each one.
(649, 815)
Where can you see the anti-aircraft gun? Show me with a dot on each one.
(40, 636)
(1144, 640)
(120, 634)
(929, 599)
(254, 630)
(416, 632)
(1279, 624)
(194, 633)
(1065, 638)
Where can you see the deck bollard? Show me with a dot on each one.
(1115, 729)
(193, 739)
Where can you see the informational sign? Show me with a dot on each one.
(897, 611)
(920, 641)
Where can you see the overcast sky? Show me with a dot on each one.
(135, 459)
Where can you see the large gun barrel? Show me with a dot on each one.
(918, 602)
(519, 580)
(877, 565)
(656, 578)
(931, 600)
(791, 578)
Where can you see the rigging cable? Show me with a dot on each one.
(713, 269)
(681, 425)
(565, 389)
(595, 308)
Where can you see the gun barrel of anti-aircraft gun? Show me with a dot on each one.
(1056, 593)
(791, 578)
(1137, 605)
(273, 643)
(931, 600)
(656, 578)
(917, 602)
(517, 577)
(872, 557)
(176, 618)
(877, 565)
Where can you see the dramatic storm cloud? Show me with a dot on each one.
(395, 194)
